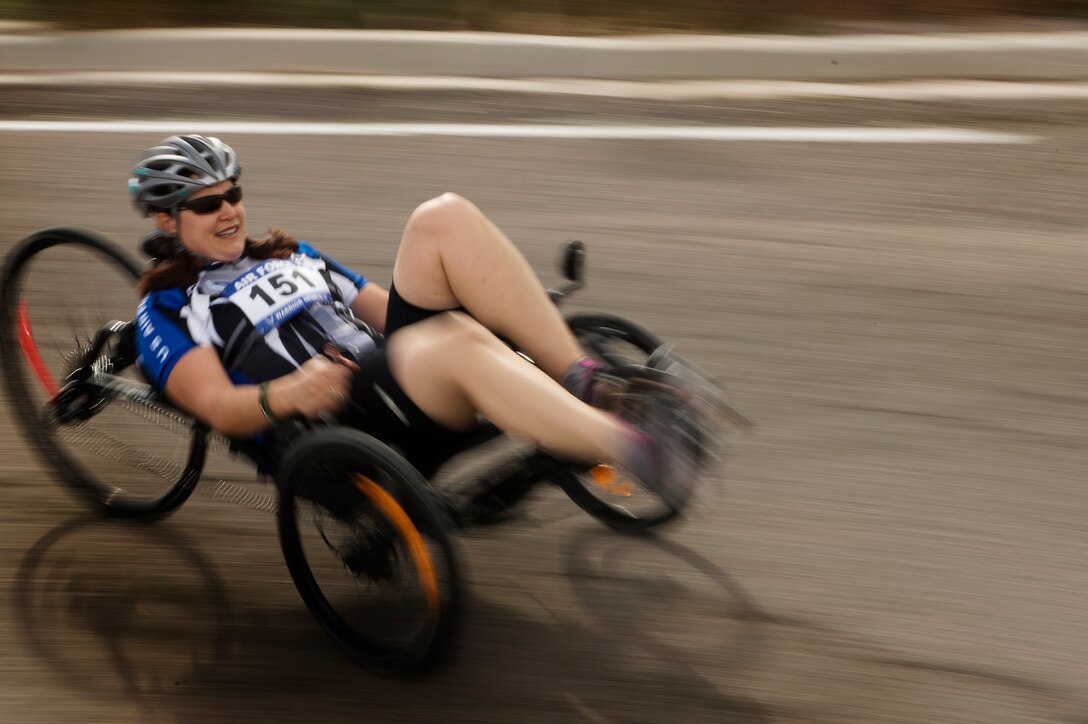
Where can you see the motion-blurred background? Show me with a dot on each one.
(877, 242)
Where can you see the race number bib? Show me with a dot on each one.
(274, 291)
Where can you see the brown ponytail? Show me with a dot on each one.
(175, 268)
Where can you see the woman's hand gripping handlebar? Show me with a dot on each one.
(320, 387)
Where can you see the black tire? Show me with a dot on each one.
(130, 455)
(612, 338)
(602, 491)
(369, 550)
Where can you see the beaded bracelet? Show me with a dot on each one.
(262, 400)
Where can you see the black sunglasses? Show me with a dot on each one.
(211, 204)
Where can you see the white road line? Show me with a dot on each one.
(672, 90)
(476, 130)
(880, 42)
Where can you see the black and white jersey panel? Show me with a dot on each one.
(265, 317)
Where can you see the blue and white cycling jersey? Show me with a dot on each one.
(265, 317)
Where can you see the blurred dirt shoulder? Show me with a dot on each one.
(589, 17)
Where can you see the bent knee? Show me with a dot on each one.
(442, 214)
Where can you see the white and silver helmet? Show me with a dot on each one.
(166, 174)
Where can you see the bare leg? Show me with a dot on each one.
(451, 255)
(452, 367)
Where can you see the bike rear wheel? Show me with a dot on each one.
(368, 550)
(89, 414)
(605, 491)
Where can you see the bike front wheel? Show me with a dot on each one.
(605, 491)
(89, 413)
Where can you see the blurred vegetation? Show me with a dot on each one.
(532, 16)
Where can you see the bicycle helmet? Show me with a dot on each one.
(169, 172)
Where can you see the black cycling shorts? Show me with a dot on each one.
(401, 313)
(382, 409)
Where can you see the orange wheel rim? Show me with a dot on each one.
(608, 479)
(421, 557)
(30, 350)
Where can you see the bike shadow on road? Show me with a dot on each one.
(138, 617)
(120, 609)
(678, 613)
(677, 609)
(148, 624)
(151, 626)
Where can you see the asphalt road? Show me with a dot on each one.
(902, 539)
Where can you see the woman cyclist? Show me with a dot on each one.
(234, 328)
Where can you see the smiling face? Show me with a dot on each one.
(219, 236)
